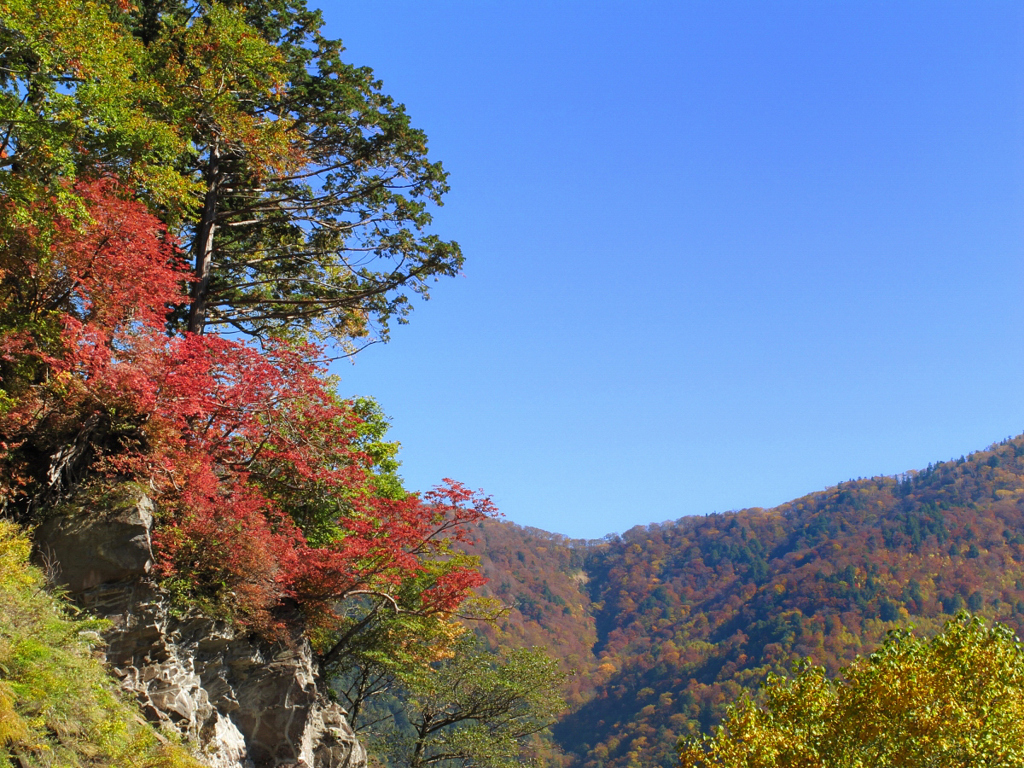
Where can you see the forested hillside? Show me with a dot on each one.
(540, 578)
(685, 615)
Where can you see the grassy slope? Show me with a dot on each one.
(58, 706)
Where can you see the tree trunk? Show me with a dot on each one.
(416, 761)
(202, 247)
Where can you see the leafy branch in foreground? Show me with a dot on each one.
(475, 708)
(956, 700)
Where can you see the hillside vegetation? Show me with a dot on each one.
(684, 616)
(58, 706)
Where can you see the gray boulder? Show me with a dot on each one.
(86, 547)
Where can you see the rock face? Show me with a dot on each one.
(112, 544)
(244, 703)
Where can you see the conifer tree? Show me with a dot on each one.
(314, 190)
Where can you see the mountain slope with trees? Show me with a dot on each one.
(539, 577)
(687, 615)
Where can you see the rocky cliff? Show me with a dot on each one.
(241, 702)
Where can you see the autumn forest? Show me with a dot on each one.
(669, 622)
(202, 207)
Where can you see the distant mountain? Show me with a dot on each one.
(669, 623)
(542, 578)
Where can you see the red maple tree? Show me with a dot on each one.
(266, 493)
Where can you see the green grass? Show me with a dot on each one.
(58, 706)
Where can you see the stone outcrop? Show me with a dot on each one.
(111, 543)
(242, 702)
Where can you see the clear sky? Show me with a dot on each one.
(719, 254)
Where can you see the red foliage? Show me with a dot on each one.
(246, 447)
(228, 548)
(249, 409)
(82, 305)
(122, 267)
(384, 542)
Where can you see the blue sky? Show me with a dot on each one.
(719, 254)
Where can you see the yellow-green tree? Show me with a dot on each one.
(954, 700)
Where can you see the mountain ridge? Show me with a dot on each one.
(667, 623)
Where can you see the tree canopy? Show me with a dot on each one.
(135, 137)
(314, 188)
(299, 188)
(954, 700)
